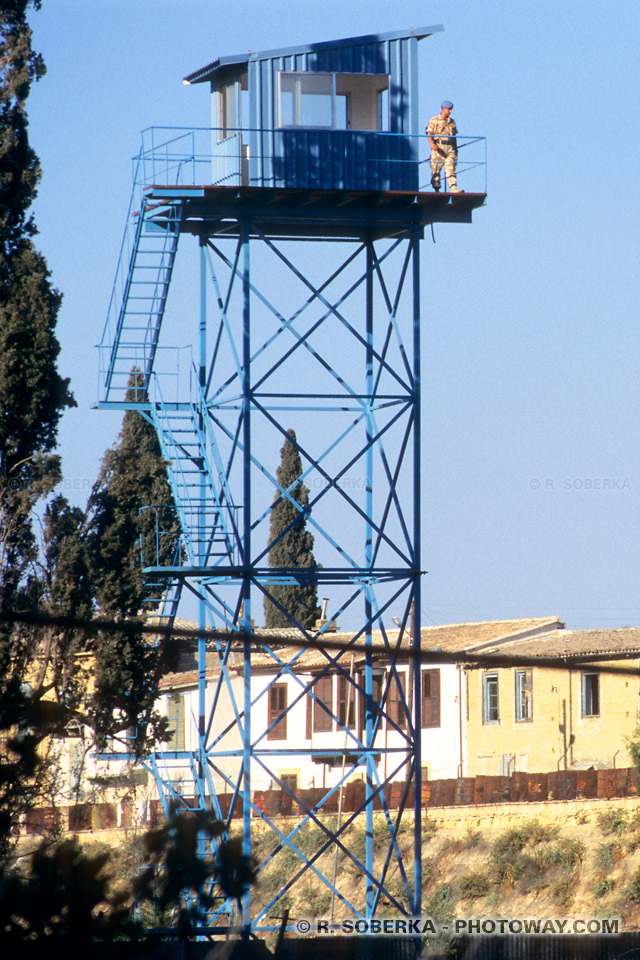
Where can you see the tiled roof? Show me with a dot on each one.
(461, 636)
(449, 638)
(574, 643)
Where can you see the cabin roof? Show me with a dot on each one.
(224, 63)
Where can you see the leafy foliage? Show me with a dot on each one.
(66, 892)
(55, 561)
(175, 867)
(291, 546)
(33, 396)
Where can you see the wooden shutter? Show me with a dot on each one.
(277, 706)
(395, 706)
(347, 692)
(431, 698)
(323, 689)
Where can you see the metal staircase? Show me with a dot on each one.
(139, 296)
(203, 499)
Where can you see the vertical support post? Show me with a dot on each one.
(368, 559)
(416, 617)
(246, 560)
(202, 612)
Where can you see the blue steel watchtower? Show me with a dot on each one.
(307, 201)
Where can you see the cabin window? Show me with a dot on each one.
(490, 711)
(333, 101)
(228, 107)
(431, 698)
(590, 695)
(277, 706)
(524, 695)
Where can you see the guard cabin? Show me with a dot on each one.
(339, 115)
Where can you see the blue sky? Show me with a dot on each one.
(531, 472)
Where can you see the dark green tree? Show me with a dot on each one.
(132, 523)
(291, 546)
(33, 396)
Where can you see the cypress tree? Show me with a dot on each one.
(32, 398)
(123, 537)
(32, 393)
(292, 545)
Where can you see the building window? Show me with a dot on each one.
(524, 695)
(346, 702)
(396, 701)
(323, 689)
(490, 712)
(175, 716)
(376, 698)
(277, 706)
(590, 695)
(290, 781)
(431, 698)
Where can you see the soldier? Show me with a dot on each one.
(441, 131)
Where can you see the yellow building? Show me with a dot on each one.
(535, 718)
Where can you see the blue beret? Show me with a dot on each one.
(446, 104)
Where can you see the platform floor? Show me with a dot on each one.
(312, 214)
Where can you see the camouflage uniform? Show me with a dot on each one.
(443, 130)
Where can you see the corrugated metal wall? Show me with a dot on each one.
(327, 159)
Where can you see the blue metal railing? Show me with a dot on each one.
(208, 156)
(357, 159)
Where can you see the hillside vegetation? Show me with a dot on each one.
(534, 870)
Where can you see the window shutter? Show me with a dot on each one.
(396, 709)
(431, 698)
(323, 721)
(277, 706)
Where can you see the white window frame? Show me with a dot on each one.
(590, 682)
(490, 678)
(524, 695)
(297, 99)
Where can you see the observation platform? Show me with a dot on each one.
(314, 214)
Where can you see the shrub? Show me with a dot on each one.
(614, 821)
(564, 891)
(603, 887)
(509, 843)
(429, 829)
(537, 832)
(474, 885)
(309, 838)
(605, 857)
(472, 838)
(284, 903)
(319, 903)
(567, 854)
(632, 890)
(441, 903)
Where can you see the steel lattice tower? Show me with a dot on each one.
(309, 317)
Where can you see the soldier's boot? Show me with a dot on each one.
(454, 188)
(435, 183)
